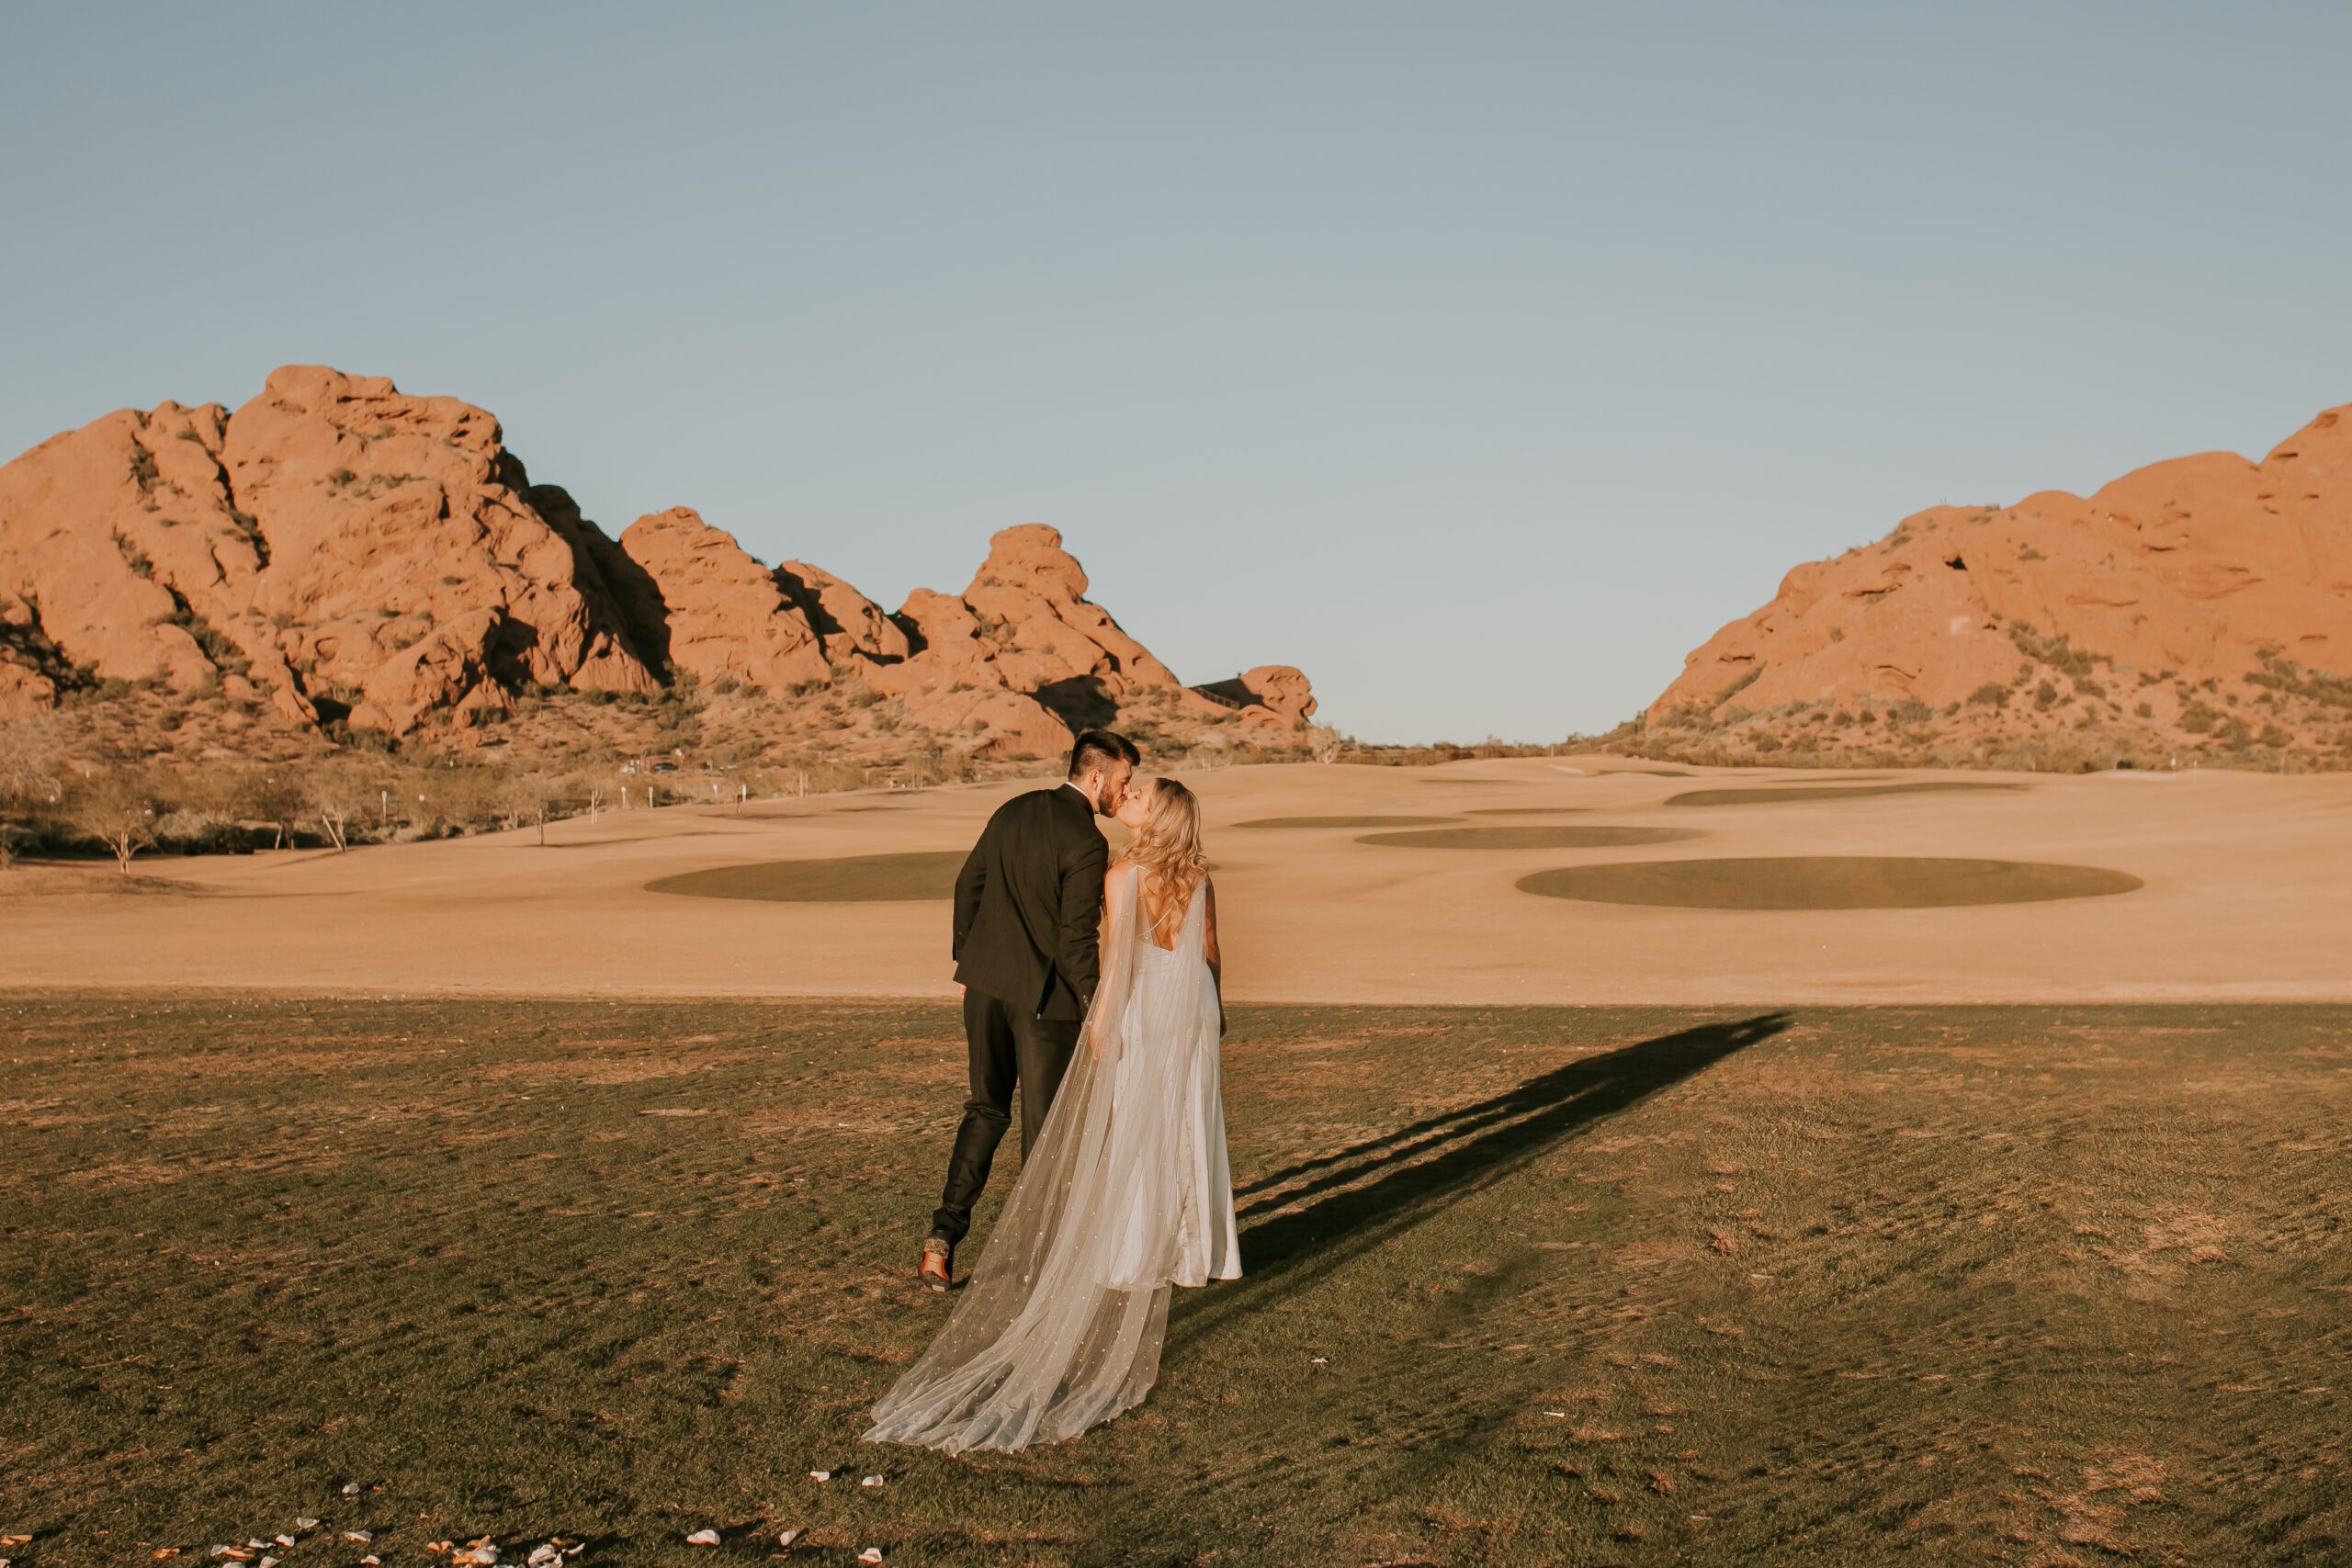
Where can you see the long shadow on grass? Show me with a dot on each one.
(1376, 1190)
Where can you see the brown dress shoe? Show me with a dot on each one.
(938, 1263)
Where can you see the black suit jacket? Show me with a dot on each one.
(1029, 904)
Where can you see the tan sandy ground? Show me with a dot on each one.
(2247, 895)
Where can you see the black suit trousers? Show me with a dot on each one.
(1009, 1045)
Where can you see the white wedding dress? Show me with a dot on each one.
(1126, 1193)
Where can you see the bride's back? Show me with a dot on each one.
(1165, 908)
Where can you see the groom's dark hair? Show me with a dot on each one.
(1100, 748)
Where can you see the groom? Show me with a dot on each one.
(1028, 918)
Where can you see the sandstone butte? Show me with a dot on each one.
(2203, 602)
(350, 557)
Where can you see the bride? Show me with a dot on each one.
(1126, 1193)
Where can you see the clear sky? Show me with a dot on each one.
(1481, 359)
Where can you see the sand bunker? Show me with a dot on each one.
(1560, 836)
(1821, 791)
(853, 879)
(1345, 821)
(1827, 882)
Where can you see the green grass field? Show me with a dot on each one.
(2006, 1284)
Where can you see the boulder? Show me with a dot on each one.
(849, 624)
(725, 614)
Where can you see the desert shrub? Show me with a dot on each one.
(1990, 695)
(2313, 685)
(2145, 710)
(195, 830)
(2057, 652)
(2045, 696)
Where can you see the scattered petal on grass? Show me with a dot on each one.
(871, 1554)
(362, 1536)
(234, 1553)
(871, 1480)
(1319, 1361)
(372, 1560)
(350, 1489)
(164, 1551)
(1557, 1414)
(267, 1563)
(303, 1524)
(786, 1538)
(703, 1538)
(284, 1539)
(820, 1475)
(543, 1556)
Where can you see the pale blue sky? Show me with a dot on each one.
(1481, 359)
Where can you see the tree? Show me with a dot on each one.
(1325, 743)
(540, 795)
(273, 797)
(335, 797)
(31, 762)
(118, 805)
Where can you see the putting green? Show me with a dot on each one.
(1764, 793)
(1827, 882)
(1345, 821)
(1555, 835)
(853, 879)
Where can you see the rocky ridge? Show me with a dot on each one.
(340, 557)
(2198, 607)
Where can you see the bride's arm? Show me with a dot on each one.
(1209, 950)
(1110, 997)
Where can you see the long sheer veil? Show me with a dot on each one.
(1057, 1331)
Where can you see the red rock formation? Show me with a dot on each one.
(725, 614)
(337, 549)
(1280, 693)
(2199, 569)
(849, 622)
(331, 539)
(1025, 627)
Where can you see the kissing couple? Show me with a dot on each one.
(1093, 983)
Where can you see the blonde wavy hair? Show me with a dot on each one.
(1169, 846)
